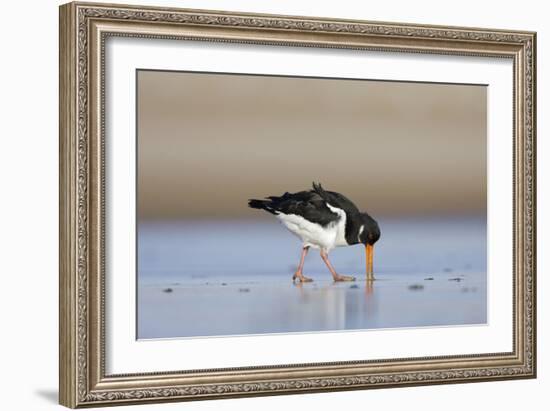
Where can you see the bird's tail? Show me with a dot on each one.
(266, 205)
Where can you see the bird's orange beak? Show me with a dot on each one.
(369, 249)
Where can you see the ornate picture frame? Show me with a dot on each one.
(84, 29)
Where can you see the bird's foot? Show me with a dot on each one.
(339, 277)
(301, 278)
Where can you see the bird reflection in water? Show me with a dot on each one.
(334, 305)
(369, 288)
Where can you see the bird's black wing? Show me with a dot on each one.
(306, 204)
(336, 199)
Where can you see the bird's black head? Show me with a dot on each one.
(370, 232)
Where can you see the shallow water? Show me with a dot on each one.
(234, 277)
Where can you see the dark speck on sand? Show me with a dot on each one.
(244, 290)
(457, 279)
(167, 290)
(416, 287)
(428, 279)
(354, 286)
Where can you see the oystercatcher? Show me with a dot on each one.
(323, 220)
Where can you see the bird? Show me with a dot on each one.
(323, 220)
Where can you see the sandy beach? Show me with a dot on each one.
(429, 273)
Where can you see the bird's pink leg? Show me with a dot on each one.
(298, 274)
(335, 275)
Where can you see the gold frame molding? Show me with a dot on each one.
(84, 27)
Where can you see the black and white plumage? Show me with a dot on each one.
(323, 220)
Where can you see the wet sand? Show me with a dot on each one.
(428, 274)
(276, 305)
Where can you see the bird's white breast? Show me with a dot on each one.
(341, 226)
(314, 235)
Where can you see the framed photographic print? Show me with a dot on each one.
(260, 204)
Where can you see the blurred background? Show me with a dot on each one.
(208, 142)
